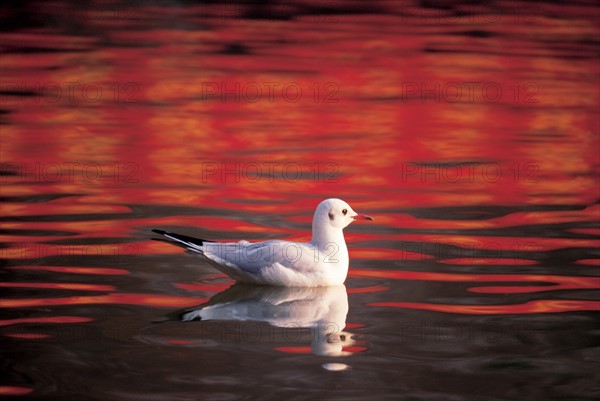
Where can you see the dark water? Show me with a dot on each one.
(470, 132)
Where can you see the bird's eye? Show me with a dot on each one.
(344, 211)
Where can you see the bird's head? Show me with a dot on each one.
(338, 213)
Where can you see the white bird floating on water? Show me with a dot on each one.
(321, 262)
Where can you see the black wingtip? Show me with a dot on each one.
(181, 238)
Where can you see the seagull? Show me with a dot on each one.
(321, 262)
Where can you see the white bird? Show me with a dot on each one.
(321, 262)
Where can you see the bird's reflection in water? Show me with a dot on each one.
(322, 309)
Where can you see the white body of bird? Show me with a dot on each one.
(323, 261)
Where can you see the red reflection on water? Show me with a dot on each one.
(354, 325)
(28, 336)
(60, 286)
(305, 349)
(354, 349)
(488, 261)
(554, 282)
(557, 283)
(55, 208)
(495, 245)
(537, 306)
(170, 140)
(591, 213)
(14, 390)
(364, 290)
(49, 319)
(206, 287)
(225, 224)
(386, 254)
(518, 289)
(589, 231)
(589, 262)
(165, 301)
(299, 349)
(75, 270)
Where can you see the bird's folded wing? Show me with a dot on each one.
(254, 257)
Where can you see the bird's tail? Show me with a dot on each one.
(183, 240)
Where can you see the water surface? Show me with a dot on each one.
(470, 133)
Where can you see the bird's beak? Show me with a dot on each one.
(362, 217)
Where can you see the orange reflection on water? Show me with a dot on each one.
(537, 306)
(554, 282)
